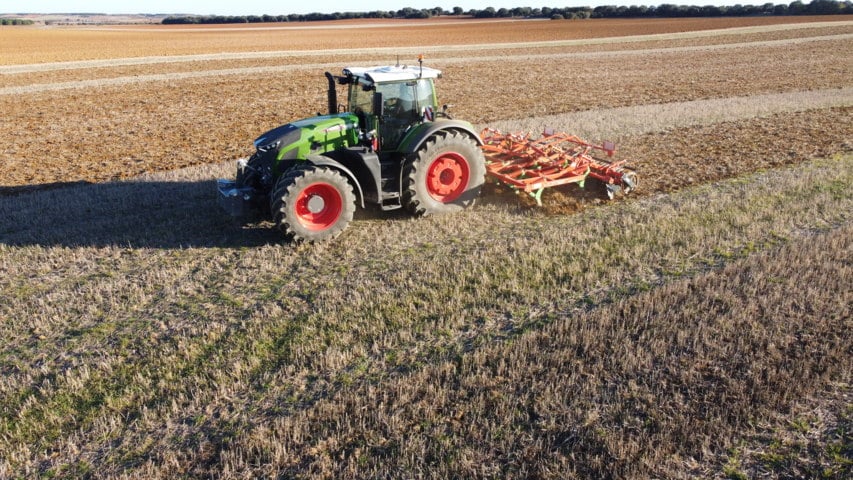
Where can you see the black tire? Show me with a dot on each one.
(312, 204)
(445, 175)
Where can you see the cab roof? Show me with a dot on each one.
(390, 73)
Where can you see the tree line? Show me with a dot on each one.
(815, 7)
(15, 21)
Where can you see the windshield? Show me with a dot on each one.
(409, 97)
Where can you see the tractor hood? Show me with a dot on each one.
(283, 135)
(311, 135)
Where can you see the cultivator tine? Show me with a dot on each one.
(532, 165)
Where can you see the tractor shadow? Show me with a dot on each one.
(185, 214)
(136, 214)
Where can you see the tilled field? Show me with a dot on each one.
(64, 44)
(162, 116)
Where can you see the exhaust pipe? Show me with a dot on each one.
(333, 94)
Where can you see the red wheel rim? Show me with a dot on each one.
(319, 206)
(447, 177)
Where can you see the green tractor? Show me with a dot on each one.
(391, 147)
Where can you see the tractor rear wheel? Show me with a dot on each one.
(445, 175)
(312, 203)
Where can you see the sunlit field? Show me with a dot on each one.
(696, 328)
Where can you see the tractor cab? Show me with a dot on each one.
(390, 100)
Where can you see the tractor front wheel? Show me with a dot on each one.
(312, 203)
(446, 175)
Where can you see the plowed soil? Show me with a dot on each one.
(105, 121)
(34, 45)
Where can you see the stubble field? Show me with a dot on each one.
(699, 328)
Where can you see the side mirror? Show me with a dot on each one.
(378, 105)
(444, 111)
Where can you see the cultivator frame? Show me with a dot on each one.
(555, 158)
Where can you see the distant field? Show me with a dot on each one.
(53, 44)
(697, 329)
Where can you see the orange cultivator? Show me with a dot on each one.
(532, 165)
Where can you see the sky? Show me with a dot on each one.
(278, 7)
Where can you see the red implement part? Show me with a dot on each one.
(532, 165)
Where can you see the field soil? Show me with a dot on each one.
(696, 328)
(60, 44)
(109, 122)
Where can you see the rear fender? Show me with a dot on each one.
(415, 139)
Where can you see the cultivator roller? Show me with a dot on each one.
(532, 165)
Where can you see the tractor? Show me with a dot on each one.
(391, 146)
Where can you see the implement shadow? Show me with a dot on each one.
(138, 214)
